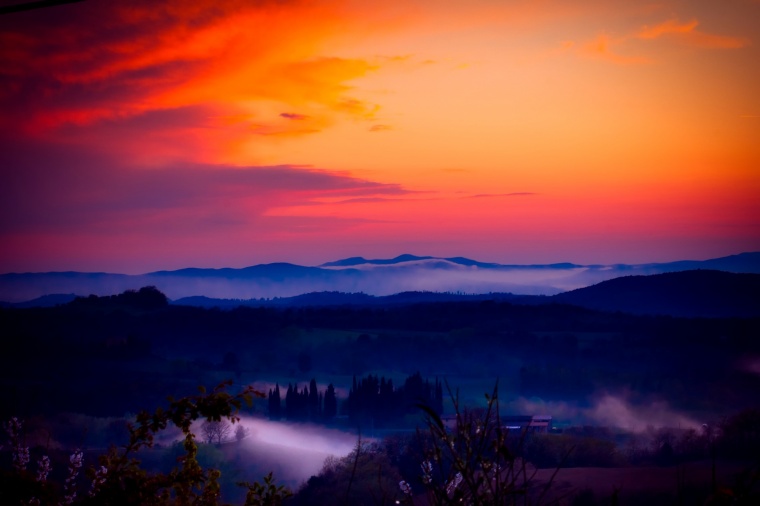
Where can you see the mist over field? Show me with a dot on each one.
(297, 451)
(607, 410)
(293, 451)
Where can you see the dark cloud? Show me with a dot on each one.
(369, 200)
(365, 200)
(63, 60)
(499, 195)
(293, 116)
(95, 61)
(380, 128)
(65, 188)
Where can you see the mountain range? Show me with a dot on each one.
(371, 277)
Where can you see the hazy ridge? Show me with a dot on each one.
(697, 293)
(405, 273)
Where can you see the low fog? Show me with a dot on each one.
(284, 280)
(607, 410)
(293, 451)
(297, 451)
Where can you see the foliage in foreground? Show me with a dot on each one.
(475, 462)
(365, 476)
(120, 479)
(467, 459)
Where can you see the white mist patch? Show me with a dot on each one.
(750, 365)
(607, 411)
(294, 451)
(473, 280)
(381, 280)
(306, 437)
(559, 410)
(616, 412)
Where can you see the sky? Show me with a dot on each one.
(145, 135)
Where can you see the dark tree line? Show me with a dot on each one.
(307, 404)
(146, 298)
(371, 399)
(376, 399)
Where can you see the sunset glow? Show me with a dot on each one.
(147, 135)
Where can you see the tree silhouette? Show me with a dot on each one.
(275, 403)
(216, 431)
(121, 480)
(331, 403)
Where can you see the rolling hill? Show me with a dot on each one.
(405, 273)
(696, 293)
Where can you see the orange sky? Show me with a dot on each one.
(157, 135)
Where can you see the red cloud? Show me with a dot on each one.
(111, 61)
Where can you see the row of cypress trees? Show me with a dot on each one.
(372, 398)
(307, 404)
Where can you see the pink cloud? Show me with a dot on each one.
(65, 189)
(609, 48)
(687, 33)
(606, 48)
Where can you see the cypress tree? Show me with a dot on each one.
(290, 403)
(313, 399)
(331, 402)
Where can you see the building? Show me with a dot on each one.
(531, 423)
(536, 423)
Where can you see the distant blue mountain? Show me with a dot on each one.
(274, 271)
(378, 277)
(347, 262)
(468, 262)
(357, 261)
(743, 262)
(353, 261)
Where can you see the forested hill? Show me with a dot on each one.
(111, 355)
(327, 299)
(704, 293)
(696, 293)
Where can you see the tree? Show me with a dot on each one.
(120, 480)
(215, 431)
(240, 432)
(363, 477)
(265, 494)
(313, 402)
(275, 403)
(331, 403)
(473, 463)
